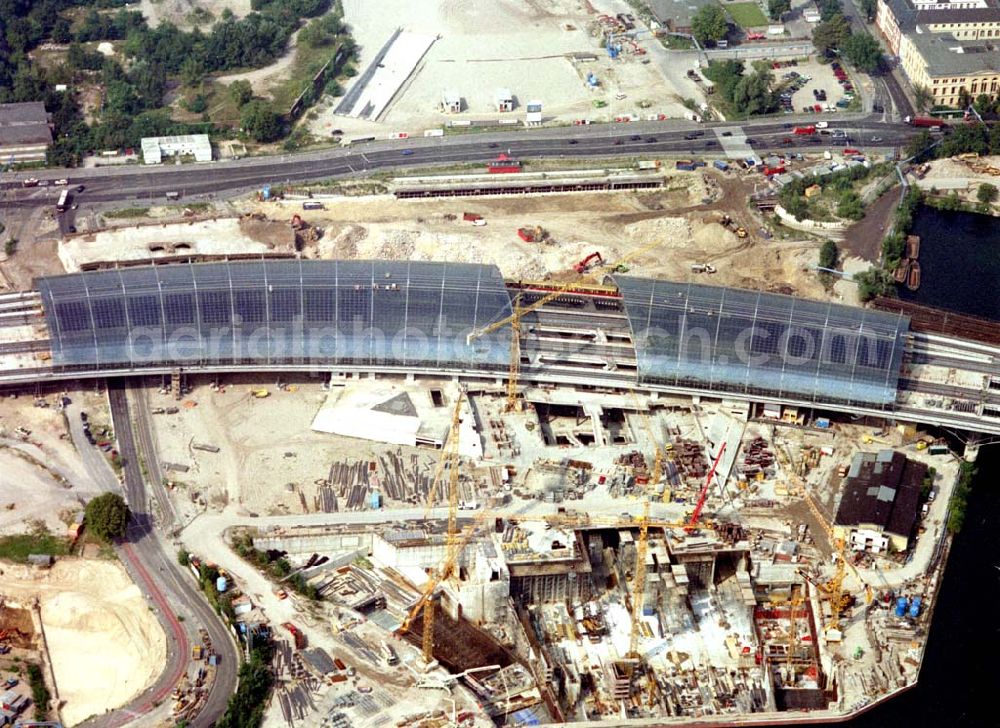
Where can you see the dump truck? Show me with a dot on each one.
(804, 130)
(300, 639)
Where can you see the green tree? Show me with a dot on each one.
(240, 92)
(192, 71)
(829, 8)
(183, 557)
(777, 8)
(868, 8)
(796, 207)
(863, 51)
(62, 31)
(994, 139)
(831, 34)
(709, 23)
(874, 282)
(260, 122)
(920, 143)
(322, 31)
(986, 193)
(922, 98)
(849, 206)
(107, 516)
(828, 255)
(753, 95)
(984, 104)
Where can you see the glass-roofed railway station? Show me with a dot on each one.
(416, 317)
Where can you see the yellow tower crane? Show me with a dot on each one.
(514, 320)
(639, 582)
(833, 588)
(449, 457)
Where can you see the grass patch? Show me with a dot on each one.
(127, 212)
(39, 692)
(676, 43)
(308, 61)
(17, 547)
(746, 15)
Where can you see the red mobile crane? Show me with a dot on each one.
(693, 523)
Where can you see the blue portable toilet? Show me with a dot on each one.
(376, 500)
(220, 584)
(901, 604)
(915, 608)
(266, 192)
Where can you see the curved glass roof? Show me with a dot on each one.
(762, 344)
(291, 312)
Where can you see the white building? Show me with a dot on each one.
(155, 148)
(451, 102)
(504, 100)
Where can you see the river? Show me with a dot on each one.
(959, 262)
(960, 268)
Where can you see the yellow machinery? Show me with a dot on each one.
(639, 580)
(833, 588)
(514, 320)
(454, 544)
(260, 393)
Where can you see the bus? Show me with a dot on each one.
(63, 202)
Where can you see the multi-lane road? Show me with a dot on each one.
(132, 184)
(165, 583)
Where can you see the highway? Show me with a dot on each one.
(133, 185)
(148, 554)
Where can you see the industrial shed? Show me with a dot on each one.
(763, 344)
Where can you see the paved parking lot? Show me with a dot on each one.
(821, 78)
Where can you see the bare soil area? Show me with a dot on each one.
(185, 13)
(43, 477)
(104, 642)
(268, 470)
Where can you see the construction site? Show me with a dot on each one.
(601, 558)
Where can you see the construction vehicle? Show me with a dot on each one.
(536, 234)
(473, 217)
(260, 393)
(584, 265)
(514, 320)
(833, 588)
(703, 496)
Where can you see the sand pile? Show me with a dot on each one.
(104, 642)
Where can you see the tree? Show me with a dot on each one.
(922, 98)
(240, 92)
(994, 139)
(322, 31)
(984, 104)
(828, 255)
(868, 7)
(829, 8)
(192, 71)
(986, 193)
(797, 207)
(107, 516)
(874, 282)
(920, 143)
(777, 8)
(183, 556)
(753, 95)
(831, 34)
(260, 122)
(62, 31)
(849, 206)
(863, 51)
(709, 23)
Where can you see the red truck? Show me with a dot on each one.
(300, 639)
(804, 130)
(924, 121)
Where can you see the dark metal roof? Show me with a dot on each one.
(882, 490)
(287, 312)
(25, 112)
(762, 344)
(25, 134)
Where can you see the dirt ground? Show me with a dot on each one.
(525, 47)
(270, 471)
(616, 224)
(105, 644)
(42, 476)
(183, 13)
